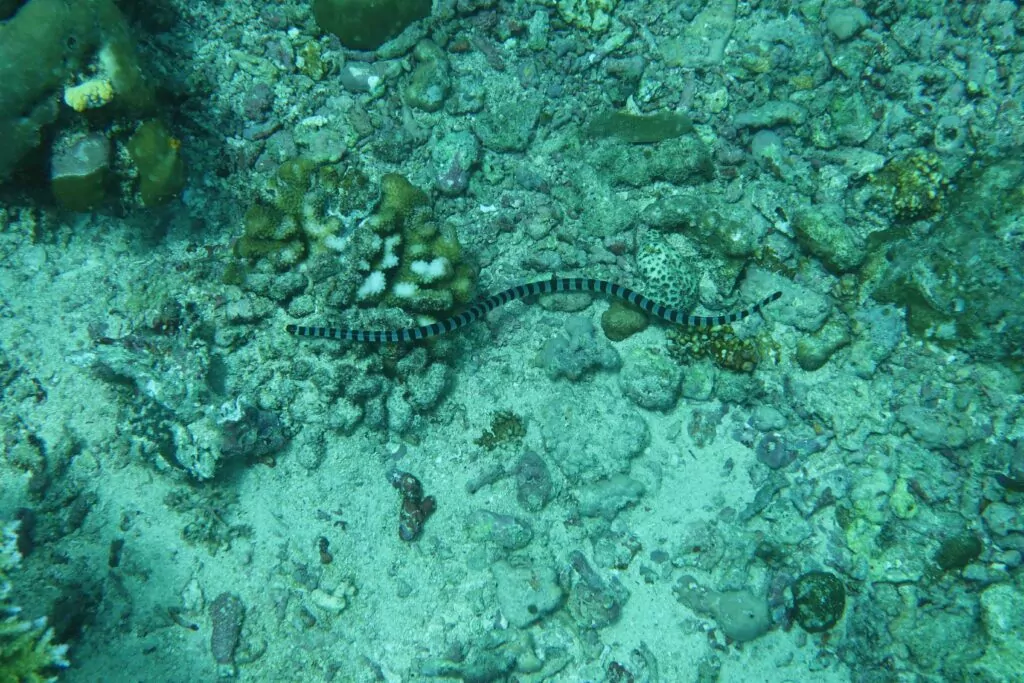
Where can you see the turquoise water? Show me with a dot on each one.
(547, 483)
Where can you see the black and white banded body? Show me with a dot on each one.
(558, 284)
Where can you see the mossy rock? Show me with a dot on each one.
(819, 600)
(368, 24)
(638, 128)
(959, 551)
(622, 320)
(269, 233)
(915, 184)
(398, 200)
(79, 165)
(398, 195)
(154, 151)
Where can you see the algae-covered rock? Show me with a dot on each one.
(509, 122)
(682, 160)
(534, 487)
(960, 283)
(504, 531)
(155, 154)
(591, 15)
(651, 380)
(622, 320)
(78, 170)
(814, 351)
(428, 87)
(819, 600)
(640, 128)
(1002, 615)
(823, 231)
(956, 552)
(368, 24)
(914, 184)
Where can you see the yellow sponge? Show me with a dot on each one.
(91, 94)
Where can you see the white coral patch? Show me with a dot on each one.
(390, 259)
(373, 285)
(429, 271)
(405, 290)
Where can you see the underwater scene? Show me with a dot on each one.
(515, 341)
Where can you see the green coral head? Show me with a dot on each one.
(297, 172)
(398, 195)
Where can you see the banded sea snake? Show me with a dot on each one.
(557, 284)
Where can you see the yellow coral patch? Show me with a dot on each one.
(89, 95)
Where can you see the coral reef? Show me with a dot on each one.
(669, 278)
(845, 153)
(27, 651)
(45, 44)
